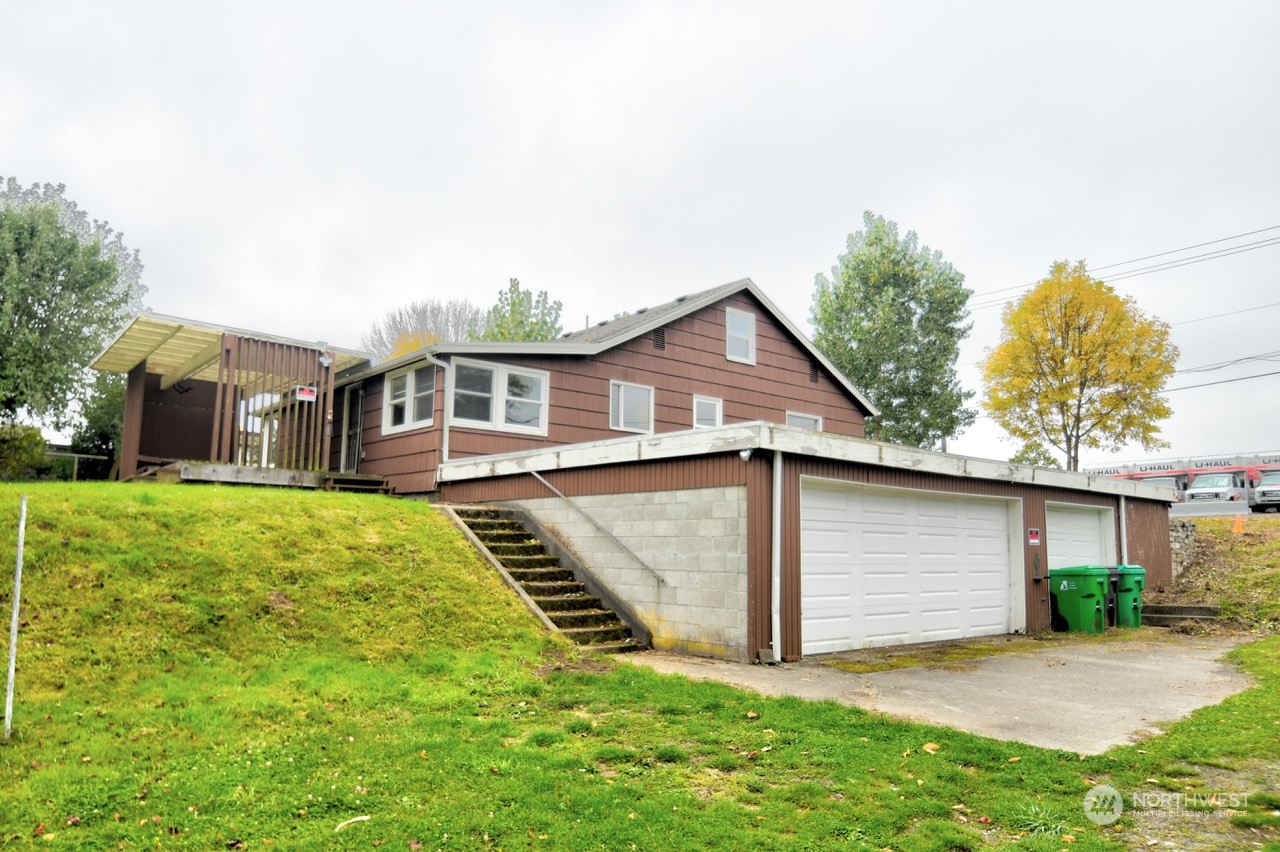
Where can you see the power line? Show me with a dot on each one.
(1133, 273)
(1222, 382)
(1222, 365)
(1227, 314)
(1185, 248)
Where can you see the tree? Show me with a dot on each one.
(891, 318)
(420, 324)
(59, 302)
(101, 420)
(519, 315)
(21, 449)
(110, 243)
(1079, 366)
(1036, 454)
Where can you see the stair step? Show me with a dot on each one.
(584, 618)
(596, 635)
(518, 561)
(1170, 620)
(506, 537)
(553, 589)
(486, 527)
(1181, 610)
(540, 575)
(626, 646)
(558, 603)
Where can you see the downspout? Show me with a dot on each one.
(444, 409)
(775, 592)
(1124, 533)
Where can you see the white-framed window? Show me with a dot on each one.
(804, 421)
(630, 407)
(410, 398)
(707, 412)
(739, 336)
(495, 396)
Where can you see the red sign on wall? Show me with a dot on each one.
(1033, 537)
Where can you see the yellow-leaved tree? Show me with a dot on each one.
(1078, 365)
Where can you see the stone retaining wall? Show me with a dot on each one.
(1182, 543)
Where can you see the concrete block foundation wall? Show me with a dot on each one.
(696, 539)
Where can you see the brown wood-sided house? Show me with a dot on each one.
(709, 467)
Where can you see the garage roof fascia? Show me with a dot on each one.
(770, 437)
(606, 335)
(182, 348)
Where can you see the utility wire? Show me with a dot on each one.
(1121, 275)
(1222, 382)
(1228, 314)
(1222, 365)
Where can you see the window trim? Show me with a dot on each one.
(815, 417)
(497, 413)
(410, 396)
(621, 385)
(719, 404)
(750, 338)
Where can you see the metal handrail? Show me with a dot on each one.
(596, 524)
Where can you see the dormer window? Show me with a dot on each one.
(740, 336)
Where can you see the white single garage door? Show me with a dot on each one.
(894, 566)
(1077, 535)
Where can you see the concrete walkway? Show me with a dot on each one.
(1081, 696)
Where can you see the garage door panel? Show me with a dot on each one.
(915, 567)
(1074, 535)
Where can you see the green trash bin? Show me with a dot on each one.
(1078, 598)
(1131, 580)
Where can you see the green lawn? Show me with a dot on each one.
(208, 667)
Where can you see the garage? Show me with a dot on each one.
(883, 566)
(1078, 535)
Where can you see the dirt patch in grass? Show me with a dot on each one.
(1209, 808)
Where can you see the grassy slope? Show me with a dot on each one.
(208, 667)
(1238, 571)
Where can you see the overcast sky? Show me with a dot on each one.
(301, 168)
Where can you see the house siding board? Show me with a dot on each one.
(692, 362)
(407, 459)
(1149, 546)
(176, 424)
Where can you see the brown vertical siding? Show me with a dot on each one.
(759, 552)
(1148, 524)
(176, 423)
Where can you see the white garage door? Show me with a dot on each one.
(887, 567)
(1076, 535)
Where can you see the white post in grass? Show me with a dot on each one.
(13, 624)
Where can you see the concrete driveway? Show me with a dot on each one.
(1083, 695)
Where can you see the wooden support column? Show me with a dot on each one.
(131, 430)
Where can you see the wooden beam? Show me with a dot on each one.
(192, 365)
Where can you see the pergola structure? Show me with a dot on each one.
(224, 396)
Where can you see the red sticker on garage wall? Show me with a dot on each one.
(1033, 537)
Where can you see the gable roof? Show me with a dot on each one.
(610, 333)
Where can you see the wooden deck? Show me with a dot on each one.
(230, 474)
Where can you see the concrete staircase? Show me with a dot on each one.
(551, 588)
(1168, 615)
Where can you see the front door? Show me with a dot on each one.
(352, 415)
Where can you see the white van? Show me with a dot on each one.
(1219, 486)
(1266, 496)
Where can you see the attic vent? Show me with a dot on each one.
(813, 371)
(659, 338)
(602, 322)
(681, 298)
(642, 310)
